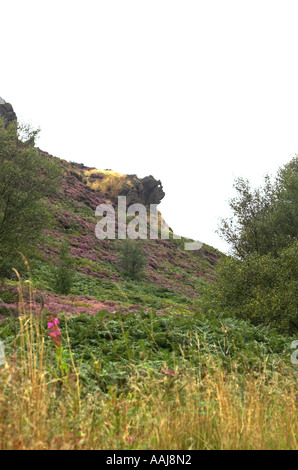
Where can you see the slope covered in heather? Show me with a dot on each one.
(172, 278)
(134, 363)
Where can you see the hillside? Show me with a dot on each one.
(172, 277)
(126, 363)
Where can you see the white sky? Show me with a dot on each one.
(193, 92)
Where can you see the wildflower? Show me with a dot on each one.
(55, 333)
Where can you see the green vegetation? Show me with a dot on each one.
(140, 344)
(108, 347)
(64, 274)
(262, 289)
(114, 381)
(265, 220)
(262, 284)
(133, 258)
(27, 179)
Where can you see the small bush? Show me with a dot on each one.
(262, 289)
(133, 259)
(64, 274)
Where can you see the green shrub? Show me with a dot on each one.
(108, 347)
(27, 179)
(260, 283)
(262, 289)
(64, 275)
(133, 258)
(265, 220)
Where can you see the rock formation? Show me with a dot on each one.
(145, 191)
(6, 111)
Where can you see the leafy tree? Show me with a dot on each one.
(262, 289)
(265, 220)
(133, 259)
(286, 205)
(64, 274)
(261, 282)
(27, 179)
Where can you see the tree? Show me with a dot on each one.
(133, 258)
(262, 289)
(265, 220)
(260, 282)
(64, 274)
(286, 204)
(27, 179)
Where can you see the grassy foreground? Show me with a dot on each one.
(198, 404)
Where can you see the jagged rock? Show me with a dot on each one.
(7, 112)
(145, 191)
(153, 191)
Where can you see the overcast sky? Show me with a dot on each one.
(193, 92)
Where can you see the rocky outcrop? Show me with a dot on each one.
(145, 191)
(153, 190)
(6, 112)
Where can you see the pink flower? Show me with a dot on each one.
(55, 333)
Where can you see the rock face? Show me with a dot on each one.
(145, 191)
(7, 112)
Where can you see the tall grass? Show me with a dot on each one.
(43, 407)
